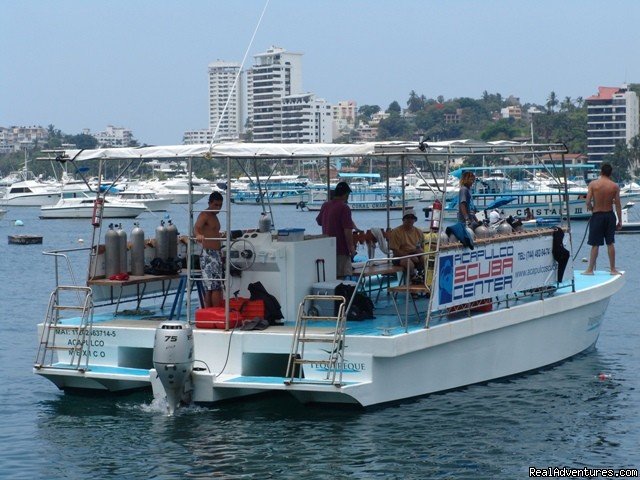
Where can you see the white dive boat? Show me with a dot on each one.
(505, 307)
(81, 205)
(144, 197)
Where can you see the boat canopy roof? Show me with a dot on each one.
(502, 168)
(305, 150)
(359, 175)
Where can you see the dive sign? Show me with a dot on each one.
(495, 269)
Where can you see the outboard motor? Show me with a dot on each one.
(173, 359)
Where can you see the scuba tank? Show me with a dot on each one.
(111, 253)
(264, 224)
(482, 231)
(122, 249)
(162, 245)
(172, 240)
(137, 250)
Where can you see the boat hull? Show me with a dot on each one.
(378, 368)
(465, 352)
(34, 200)
(87, 211)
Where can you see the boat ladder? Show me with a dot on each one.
(78, 346)
(305, 335)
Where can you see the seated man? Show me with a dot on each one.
(407, 240)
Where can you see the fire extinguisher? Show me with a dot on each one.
(436, 214)
(96, 216)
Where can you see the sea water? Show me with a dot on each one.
(581, 413)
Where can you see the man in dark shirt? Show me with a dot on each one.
(335, 220)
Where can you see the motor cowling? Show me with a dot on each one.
(173, 360)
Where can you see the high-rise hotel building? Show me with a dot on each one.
(275, 74)
(612, 117)
(225, 90)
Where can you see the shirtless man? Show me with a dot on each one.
(207, 226)
(602, 195)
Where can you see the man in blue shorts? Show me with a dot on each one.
(207, 233)
(602, 195)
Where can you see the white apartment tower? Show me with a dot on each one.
(306, 119)
(222, 90)
(275, 74)
(612, 116)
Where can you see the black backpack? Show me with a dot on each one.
(163, 267)
(362, 306)
(272, 309)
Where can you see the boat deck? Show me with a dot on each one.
(385, 323)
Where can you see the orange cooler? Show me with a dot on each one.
(214, 317)
(248, 309)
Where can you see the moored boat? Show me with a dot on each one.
(81, 205)
(506, 307)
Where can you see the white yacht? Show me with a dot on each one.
(81, 205)
(176, 189)
(144, 196)
(30, 193)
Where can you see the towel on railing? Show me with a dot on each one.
(459, 230)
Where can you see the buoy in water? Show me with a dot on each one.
(604, 376)
(81, 240)
(19, 223)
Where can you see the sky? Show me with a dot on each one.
(142, 64)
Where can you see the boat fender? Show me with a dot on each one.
(173, 360)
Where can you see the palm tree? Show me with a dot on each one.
(552, 101)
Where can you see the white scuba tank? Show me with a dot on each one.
(111, 252)
(173, 359)
(137, 250)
